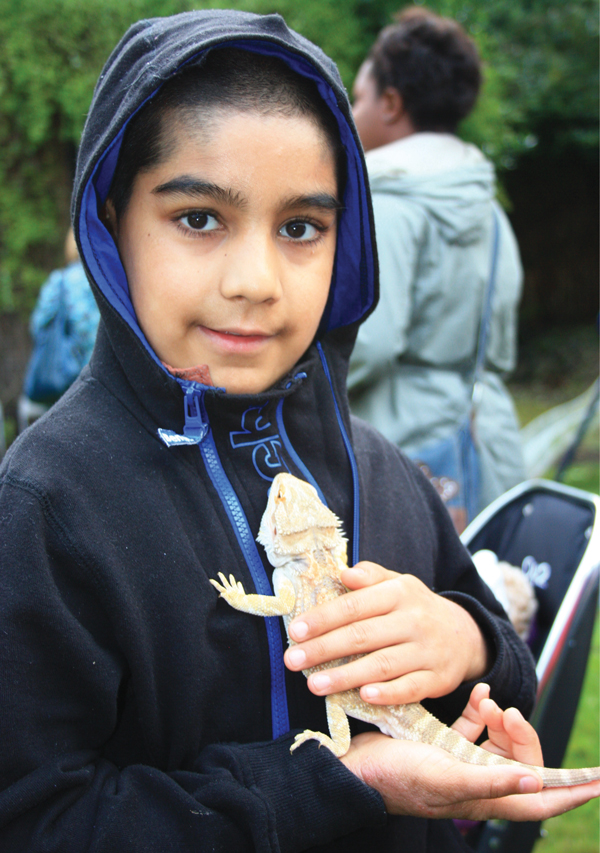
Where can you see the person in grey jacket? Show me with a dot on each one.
(433, 197)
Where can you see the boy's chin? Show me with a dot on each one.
(246, 383)
(235, 388)
(233, 381)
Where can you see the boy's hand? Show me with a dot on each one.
(422, 780)
(416, 643)
(509, 733)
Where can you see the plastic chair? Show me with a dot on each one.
(550, 531)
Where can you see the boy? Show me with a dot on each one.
(223, 218)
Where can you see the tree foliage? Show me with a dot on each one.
(541, 90)
(541, 71)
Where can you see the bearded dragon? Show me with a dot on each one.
(304, 543)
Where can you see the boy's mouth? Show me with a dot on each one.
(237, 339)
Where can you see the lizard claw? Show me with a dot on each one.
(322, 739)
(229, 589)
(237, 585)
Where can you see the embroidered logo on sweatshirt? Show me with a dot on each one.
(258, 432)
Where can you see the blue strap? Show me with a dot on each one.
(486, 314)
(351, 459)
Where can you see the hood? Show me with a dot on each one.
(149, 54)
(449, 178)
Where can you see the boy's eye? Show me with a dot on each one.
(299, 231)
(200, 221)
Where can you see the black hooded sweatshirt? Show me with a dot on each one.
(139, 711)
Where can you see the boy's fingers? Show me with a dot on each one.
(412, 687)
(372, 600)
(493, 718)
(366, 574)
(389, 671)
(540, 806)
(525, 741)
(503, 784)
(499, 741)
(518, 728)
(470, 723)
(369, 672)
(389, 651)
(401, 683)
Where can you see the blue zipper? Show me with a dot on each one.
(197, 425)
(197, 431)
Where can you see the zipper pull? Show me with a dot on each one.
(195, 428)
(296, 380)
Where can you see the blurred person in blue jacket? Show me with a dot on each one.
(82, 310)
(64, 298)
(434, 196)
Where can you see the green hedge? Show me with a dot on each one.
(541, 85)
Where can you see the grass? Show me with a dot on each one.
(578, 831)
(556, 367)
(552, 371)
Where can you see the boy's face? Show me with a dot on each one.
(228, 246)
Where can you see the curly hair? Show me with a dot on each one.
(432, 63)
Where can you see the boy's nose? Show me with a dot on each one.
(251, 271)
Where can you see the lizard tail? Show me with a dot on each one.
(555, 778)
(413, 722)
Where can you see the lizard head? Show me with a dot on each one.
(296, 521)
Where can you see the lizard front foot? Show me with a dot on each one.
(231, 590)
(259, 605)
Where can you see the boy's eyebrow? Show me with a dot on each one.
(189, 185)
(326, 201)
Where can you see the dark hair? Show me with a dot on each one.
(227, 79)
(434, 65)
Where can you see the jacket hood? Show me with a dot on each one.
(450, 179)
(150, 53)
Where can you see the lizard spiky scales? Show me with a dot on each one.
(303, 541)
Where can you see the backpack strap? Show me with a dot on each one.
(486, 314)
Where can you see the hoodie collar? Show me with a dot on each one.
(423, 154)
(450, 180)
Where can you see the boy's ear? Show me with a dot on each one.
(108, 216)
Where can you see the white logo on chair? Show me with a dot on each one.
(537, 573)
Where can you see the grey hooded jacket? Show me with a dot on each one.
(412, 366)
